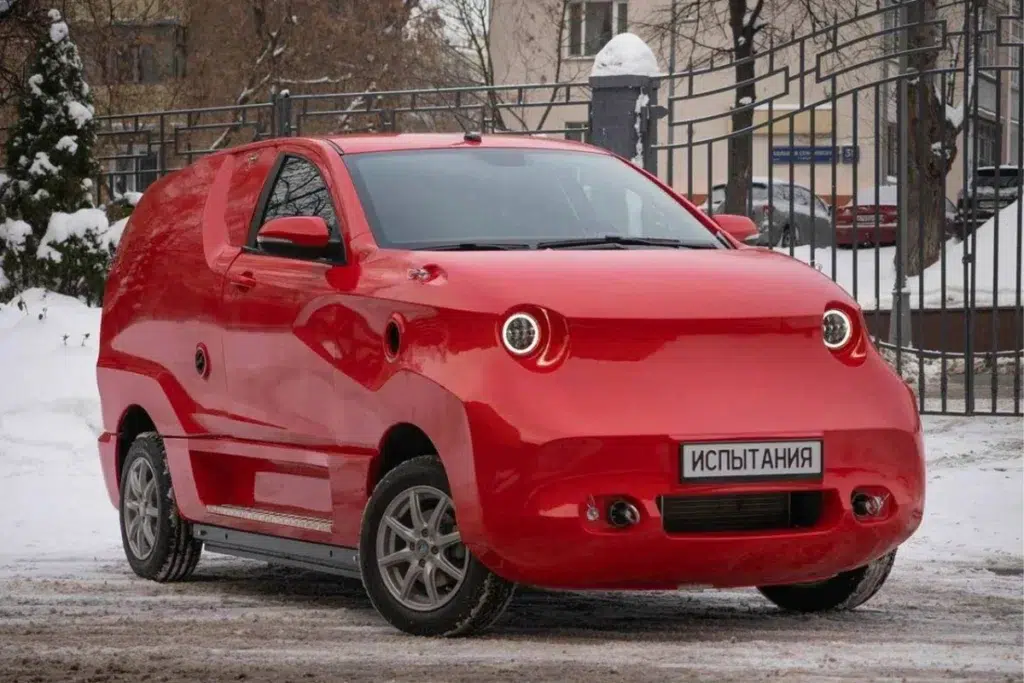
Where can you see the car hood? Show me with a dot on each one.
(610, 283)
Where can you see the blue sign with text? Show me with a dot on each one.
(847, 154)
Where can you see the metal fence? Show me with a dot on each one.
(844, 107)
(832, 120)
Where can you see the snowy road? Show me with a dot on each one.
(70, 610)
(245, 621)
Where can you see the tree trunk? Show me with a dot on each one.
(740, 145)
(931, 147)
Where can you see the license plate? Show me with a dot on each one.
(751, 460)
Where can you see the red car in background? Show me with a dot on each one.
(447, 365)
(874, 220)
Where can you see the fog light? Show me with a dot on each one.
(836, 329)
(865, 505)
(622, 513)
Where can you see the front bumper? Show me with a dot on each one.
(538, 532)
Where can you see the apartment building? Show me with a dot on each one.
(839, 119)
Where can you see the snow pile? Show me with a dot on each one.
(974, 511)
(132, 198)
(996, 259)
(80, 113)
(43, 166)
(89, 225)
(58, 29)
(52, 498)
(13, 233)
(625, 55)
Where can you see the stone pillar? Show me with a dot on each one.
(624, 109)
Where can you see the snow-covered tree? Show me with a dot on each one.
(49, 237)
(49, 151)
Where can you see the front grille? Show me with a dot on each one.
(740, 512)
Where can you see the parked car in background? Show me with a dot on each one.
(788, 215)
(876, 219)
(993, 188)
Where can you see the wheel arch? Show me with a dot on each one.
(401, 442)
(134, 421)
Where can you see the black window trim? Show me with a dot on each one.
(336, 249)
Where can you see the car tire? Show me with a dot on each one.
(157, 542)
(787, 237)
(844, 591)
(456, 606)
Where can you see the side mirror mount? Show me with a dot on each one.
(298, 236)
(739, 227)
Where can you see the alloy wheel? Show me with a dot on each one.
(141, 508)
(420, 554)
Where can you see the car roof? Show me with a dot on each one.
(359, 143)
(763, 181)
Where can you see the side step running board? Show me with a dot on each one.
(319, 557)
(279, 518)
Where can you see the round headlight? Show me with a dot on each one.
(520, 334)
(836, 329)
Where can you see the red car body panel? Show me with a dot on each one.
(641, 350)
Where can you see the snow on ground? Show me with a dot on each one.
(49, 422)
(71, 610)
(998, 259)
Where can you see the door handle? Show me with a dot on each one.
(243, 280)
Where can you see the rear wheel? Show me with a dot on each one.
(157, 541)
(418, 574)
(842, 592)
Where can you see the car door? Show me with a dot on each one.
(280, 347)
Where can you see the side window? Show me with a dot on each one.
(781, 193)
(801, 196)
(299, 190)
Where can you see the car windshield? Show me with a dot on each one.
(1008, 177)
(478, 197)
(758, 193)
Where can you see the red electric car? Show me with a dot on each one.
(447, 365)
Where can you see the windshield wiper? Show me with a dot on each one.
(475, 246)
(624, 241)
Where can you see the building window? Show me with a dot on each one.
(988, 50)
(592, 24)
(987, 152)
(1016, 38)
(145, 54)
(179, 57)
(890, 20)
(578, 131)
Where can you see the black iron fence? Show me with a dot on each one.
(822, 139)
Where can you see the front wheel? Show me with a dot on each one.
(842, 592)
(416, 570)
(788, 237)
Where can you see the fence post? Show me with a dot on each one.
(282, 114)
(624, 115)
